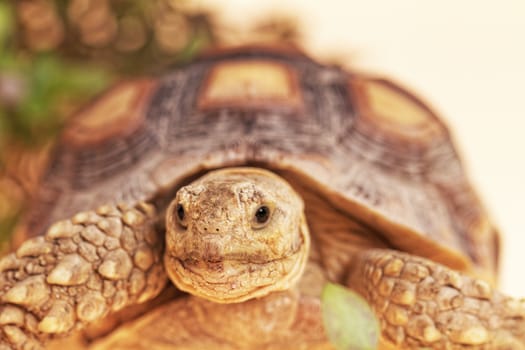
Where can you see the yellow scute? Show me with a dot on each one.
(250, 83)
(249, 79)
(118, 112)
(394, 106)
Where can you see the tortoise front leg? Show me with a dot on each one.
(79, 271)
(422, 304)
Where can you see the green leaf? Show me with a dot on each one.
(348, 319)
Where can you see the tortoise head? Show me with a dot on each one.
(235, 234)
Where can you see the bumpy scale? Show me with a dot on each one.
(80, 270)
(422, 304)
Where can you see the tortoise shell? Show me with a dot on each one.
(367, 145)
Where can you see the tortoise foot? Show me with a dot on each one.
(80, 271)
(422, 304)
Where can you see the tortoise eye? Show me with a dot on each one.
(262, 216)
(181, 214)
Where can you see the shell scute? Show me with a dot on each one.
(250, 84)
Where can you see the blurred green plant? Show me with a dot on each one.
(36, 92)
(56, 54)
(349, 322)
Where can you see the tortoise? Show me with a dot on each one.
(206, 209)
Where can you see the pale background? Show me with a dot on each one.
(465, 57)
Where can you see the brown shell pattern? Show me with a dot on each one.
(371, 147)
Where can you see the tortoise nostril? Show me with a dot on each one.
(217, 230)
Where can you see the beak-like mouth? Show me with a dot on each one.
(197, 266)
(230, 281)
(227, 272)
(213, 256)
(236, 278)
(216, 269)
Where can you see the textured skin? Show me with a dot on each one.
(79, 271)
(422, 304)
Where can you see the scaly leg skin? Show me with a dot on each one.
(424, 305)
(81, 270)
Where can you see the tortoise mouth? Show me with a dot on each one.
(224, 270)
(216, 261)
(232, 279)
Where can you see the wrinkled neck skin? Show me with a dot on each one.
(236, 234)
